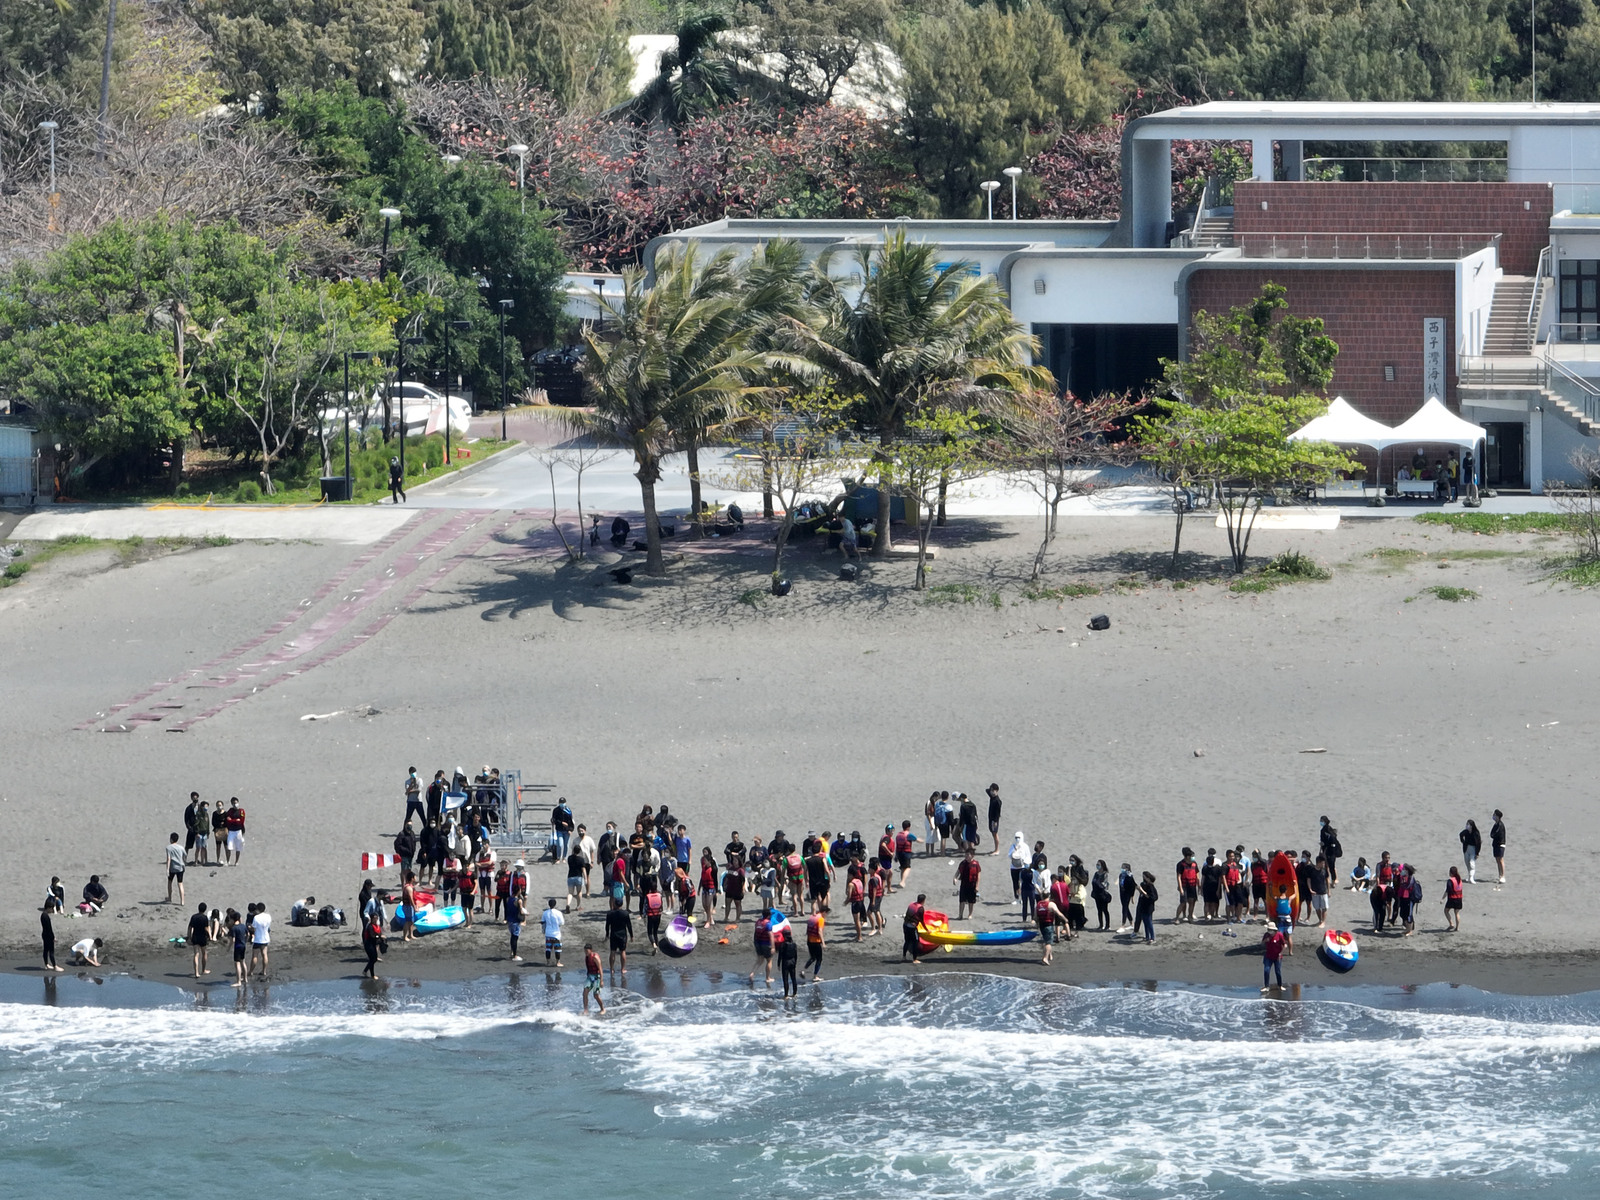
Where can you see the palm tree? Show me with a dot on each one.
(673, 346)
(690, 76)
(904, 334)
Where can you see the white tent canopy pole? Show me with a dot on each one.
(1344, 426)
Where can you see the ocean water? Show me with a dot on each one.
(950, 1085)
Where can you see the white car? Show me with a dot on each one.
(422, 408)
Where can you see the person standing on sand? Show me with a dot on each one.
(1188, 875)
(1272, 950)
(912, 928)
(1144, 914)
(1332, 850)
(175, 861)
(188, 824)
(47, 935)
(994, 817)
(1452, 901)
(219, 834)
(967, 872)
(408, 898)
(1127, 889)
(413, 787)
(1318, 880)
(260, 939)
(200, 828)
(1100, 893)
(239, 932)
(1020, 858)
(967, 834)
(200, 939)
(1258, 883)
(1497, 845)
(1471, 846)
(1047, 917)
(234, 819)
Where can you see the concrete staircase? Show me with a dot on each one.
(1215, 232)
(1508, 334)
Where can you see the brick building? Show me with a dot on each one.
(1471, 275)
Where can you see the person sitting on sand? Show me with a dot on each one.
(87, 952)
(95, 894)
(1361, 876)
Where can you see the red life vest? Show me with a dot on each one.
(854, 891)
(1191, 874)
(1258, 873)
(652, 904)
(1452, 888)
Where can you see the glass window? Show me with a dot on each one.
(1580, 296)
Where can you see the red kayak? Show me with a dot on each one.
(935, 922)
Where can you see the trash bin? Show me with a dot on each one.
(335, 487)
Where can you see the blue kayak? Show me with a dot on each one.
(432, 920)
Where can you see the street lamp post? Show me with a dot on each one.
(401, 383)
(388, 214)
(359, 356)
(521, 151)
(1013, 174)
(505, 396)
(50, 127)
(989, 186)
(448, 326)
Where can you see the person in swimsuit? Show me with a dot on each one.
(788, 958)
(592, 978)
(619, 930)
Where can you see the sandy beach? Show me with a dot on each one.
(464, 641)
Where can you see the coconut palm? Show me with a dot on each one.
(692, 75)
(672, 346)
(904, 334)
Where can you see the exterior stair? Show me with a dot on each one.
(1508, 333)
(1215, 232)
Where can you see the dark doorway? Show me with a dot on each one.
(1504, 462)
(1088, 360)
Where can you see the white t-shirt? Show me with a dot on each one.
(261, 929)
(586, 844)
(85, 947)
(174, 856)
(552, 920)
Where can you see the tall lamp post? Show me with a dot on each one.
(989, 186)
(359, 356)
(448, 326)
(521, 151)
(1013, 174)
(50, 127)
(401, 383)
(505, 396)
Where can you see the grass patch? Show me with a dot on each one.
(1583, 573)
(1067, 591)
(1396, 554)
(15, 571)
(1493, 523)
(129, 551)
(1453, 594)
(1289, 567)
(953, 593)
(755, 598)
(1463, 555)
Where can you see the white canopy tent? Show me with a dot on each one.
(1344, 426)
(1435, 424)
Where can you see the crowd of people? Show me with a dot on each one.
(657, 870)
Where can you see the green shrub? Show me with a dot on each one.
(182, 489)
(1291, 564)
(248, 492)
(1452, 594)
(17, 570)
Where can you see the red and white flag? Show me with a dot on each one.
(377, 862)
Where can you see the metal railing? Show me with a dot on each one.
(1541, 272)
(1405, 170)
(1484, 371)
(1581, 393)
(1288, 244)
(1566, 333)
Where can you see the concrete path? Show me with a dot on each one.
(358, 525)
